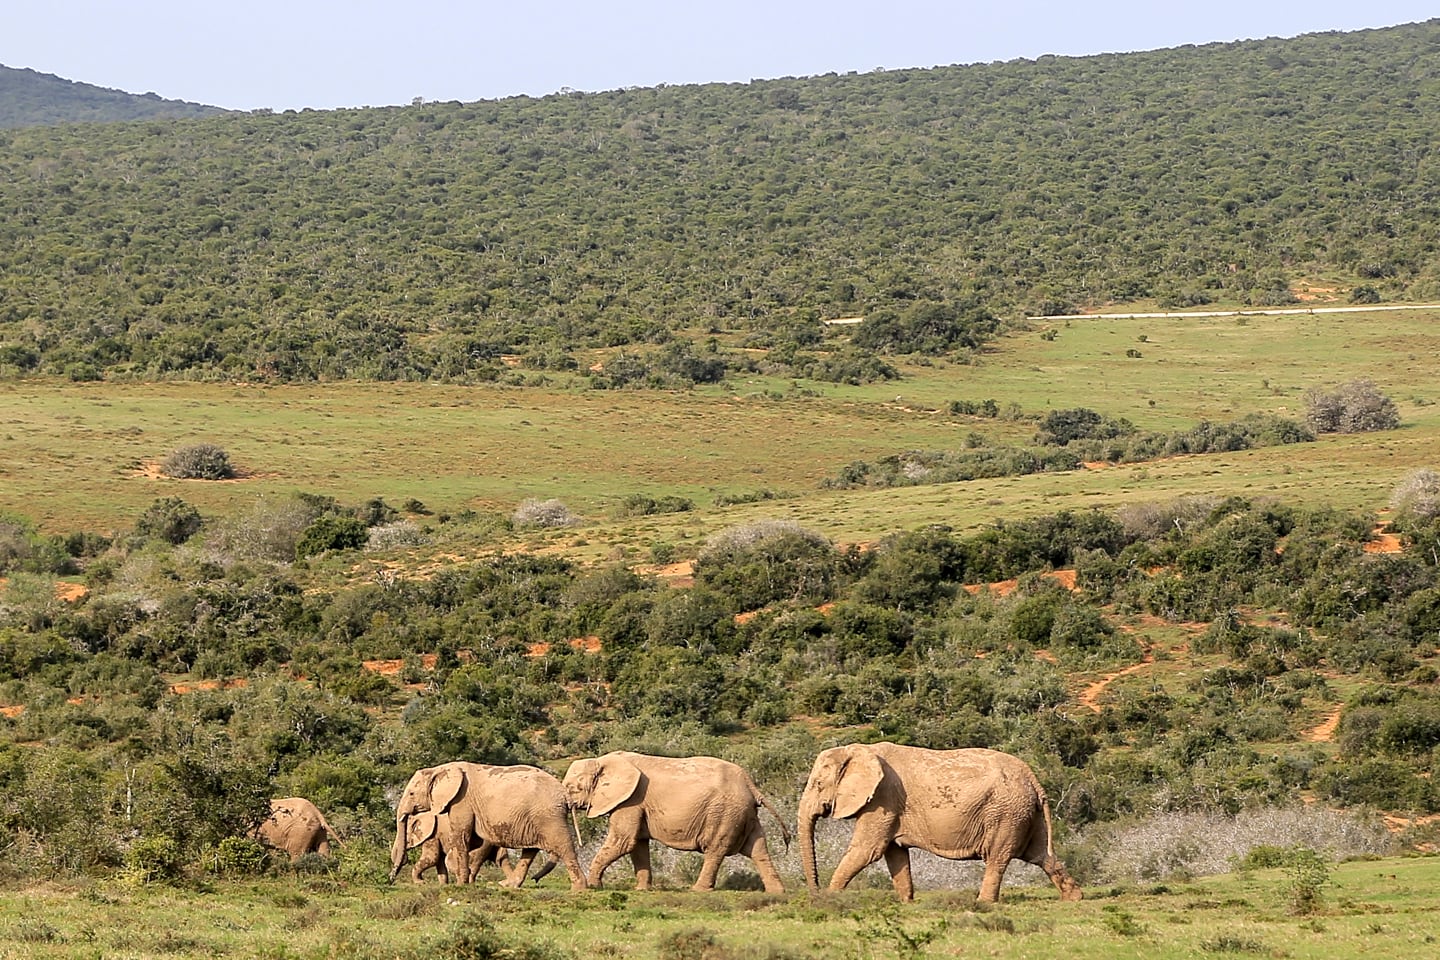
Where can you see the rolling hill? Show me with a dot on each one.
(29, 98)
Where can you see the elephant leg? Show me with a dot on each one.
(1055, 870)
(323, 848)
(760, 853)
(897, 858)
(857, 858)
(522, 868)
(640, 858)
(710, 869)
(994, 874)
(611, 850)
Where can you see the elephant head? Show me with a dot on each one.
(430, 791)
(842, 782)
(600, 784)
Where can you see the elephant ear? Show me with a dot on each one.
(614, 785)
(859, 779)
(420, 828)
(445, 788)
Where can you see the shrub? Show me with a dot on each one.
(200, 461)
(389, 536)
(331, 531)
(1353, 407)
(240, 857)
(768, 561)
(153, 859)
(170, 519)
(543, 513)
(1418, 495)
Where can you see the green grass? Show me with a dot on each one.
(74, 455)
(1371, 908)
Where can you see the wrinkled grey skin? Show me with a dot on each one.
(519, 807)
(296, 826)
(959, 804)
(690, 803)
(424, 831)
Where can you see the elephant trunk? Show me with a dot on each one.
(810, 811)
(397, 852)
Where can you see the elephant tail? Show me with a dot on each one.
(761, 801)
(329, 830)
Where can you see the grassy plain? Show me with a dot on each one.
(81, 455)
(1370, 908)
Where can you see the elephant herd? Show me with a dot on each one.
(972, 804)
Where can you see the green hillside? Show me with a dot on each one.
(682, 225)
(29, 98)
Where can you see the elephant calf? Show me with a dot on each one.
(296, 826)
(959, 804)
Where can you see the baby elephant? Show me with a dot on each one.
(692, 803)
(296, 826)
(960, 804)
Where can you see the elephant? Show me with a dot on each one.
(509, 806)
(296, 826)
(424, 831)
(972, 804)
(691, 803)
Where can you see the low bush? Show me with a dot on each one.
(543, 513)
(200, 461)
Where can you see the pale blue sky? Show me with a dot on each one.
(300, 54)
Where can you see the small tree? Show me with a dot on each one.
(1418, 495)
(1354, 407)
(170, 519)
(200, 461)
(542, 513)
(331, 531)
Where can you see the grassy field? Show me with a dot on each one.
(1369, 908)
(83, 455)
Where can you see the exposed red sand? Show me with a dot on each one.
(1090, 696)
(1324, 731)
(69, 592)
(13, 711)
(236, 683)
(590, 644)
(1003, 588)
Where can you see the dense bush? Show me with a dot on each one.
(1354, 407)
(200, 461)
(331, 532)
(543, 513)
(768, 561)
(170, 519)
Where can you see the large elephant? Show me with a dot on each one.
(510, 806)
(694, 803)
(424, 831)
(296, 826)
(960, 804)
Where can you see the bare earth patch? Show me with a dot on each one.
(1324, 731)
(1003, 588)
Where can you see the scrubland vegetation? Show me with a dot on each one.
(1189, 571)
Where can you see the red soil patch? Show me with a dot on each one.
(1382, 542)
(69, 592)
(590, 644)
(12, 712)
(748, 615)
(1097, 464)
(681, 574)
(1003, 588)
(1324, 731)
(209, 685)
(390, 668)
(1090, 696)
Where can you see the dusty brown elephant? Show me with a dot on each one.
(521, 807)
(296, 826)
(424, 831)
(693, 803)
(960, 804)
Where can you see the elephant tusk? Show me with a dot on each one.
(575, 819)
